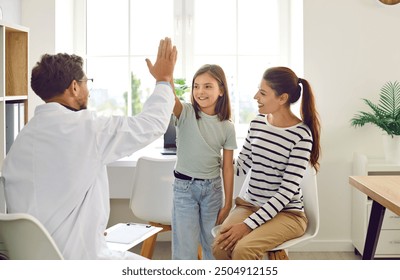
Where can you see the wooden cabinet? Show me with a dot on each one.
(14, 83)
(389, 240)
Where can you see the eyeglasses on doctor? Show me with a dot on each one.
(89, 85)
(86, 80)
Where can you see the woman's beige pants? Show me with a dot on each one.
(284, 226)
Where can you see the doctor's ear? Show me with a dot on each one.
(74, 84)
(73, 87)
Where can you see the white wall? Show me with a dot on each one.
(39, 16)
(11, 11)
(350, 51)
(51, 28)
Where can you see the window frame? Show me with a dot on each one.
(291, 12)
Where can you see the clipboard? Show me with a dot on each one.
(123, 236)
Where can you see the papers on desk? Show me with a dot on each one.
(123, 236)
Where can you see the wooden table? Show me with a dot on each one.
(385, 193)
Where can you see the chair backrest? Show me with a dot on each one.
(311, 206)
(25, 238)
(152, 191)
(310, 195)
(3, 208)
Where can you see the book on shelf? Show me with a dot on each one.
(123, 236)
(15, 116)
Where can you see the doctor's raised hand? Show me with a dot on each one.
(163, 68)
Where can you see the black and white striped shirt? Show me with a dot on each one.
(277, 159)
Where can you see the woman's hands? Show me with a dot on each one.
(163, 68)
(230, 235)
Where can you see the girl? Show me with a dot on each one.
(277, 150)
(203, 129)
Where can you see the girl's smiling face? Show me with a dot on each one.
(206, 92)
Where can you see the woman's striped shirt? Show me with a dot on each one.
(277, 159)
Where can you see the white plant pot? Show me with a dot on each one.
(391, 148)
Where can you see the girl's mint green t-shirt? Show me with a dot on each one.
(200, 143)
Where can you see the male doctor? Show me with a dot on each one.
(56, 168)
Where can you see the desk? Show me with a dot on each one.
(131, 160)
(121, 173)
(385, 193)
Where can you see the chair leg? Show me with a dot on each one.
(149, 244)
(278, 255)
(199, 253)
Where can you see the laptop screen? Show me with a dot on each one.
(170, 135)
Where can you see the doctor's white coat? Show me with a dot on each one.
(56, 169)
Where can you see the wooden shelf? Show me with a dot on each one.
(14, 82)
(16, 62)
(16, 98)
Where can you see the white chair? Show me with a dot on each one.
(152, 193)
(311, 207)
(3, 208)
(25, 238)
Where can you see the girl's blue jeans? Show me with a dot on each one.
(196, 204)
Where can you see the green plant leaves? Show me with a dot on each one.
(389, 100)
(180, 87)
(385, 114)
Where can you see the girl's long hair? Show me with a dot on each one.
(223, 106)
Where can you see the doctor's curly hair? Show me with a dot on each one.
(53, 74)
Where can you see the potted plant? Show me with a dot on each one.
(386, 116)
(181, 88)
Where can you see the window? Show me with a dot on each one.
(243, 36)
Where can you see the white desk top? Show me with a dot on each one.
(131, 160)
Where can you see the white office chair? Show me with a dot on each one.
(25, 238)
(311, 208)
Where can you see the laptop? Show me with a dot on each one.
(170, 139)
